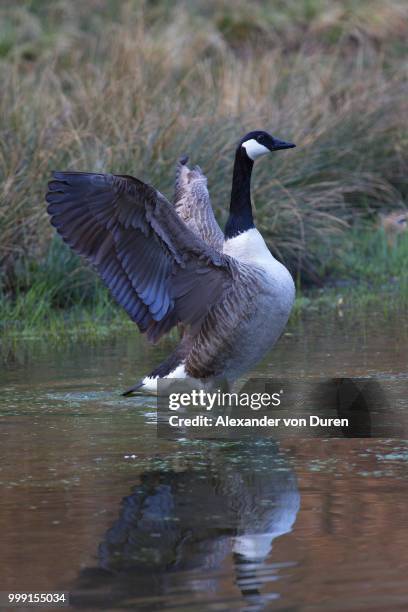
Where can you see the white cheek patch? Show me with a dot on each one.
(254, 149)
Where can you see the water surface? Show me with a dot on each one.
(93, 503)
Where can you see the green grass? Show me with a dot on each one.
(362, 272)
(365, 257)
(368, 274)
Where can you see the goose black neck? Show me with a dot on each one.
(240, 215)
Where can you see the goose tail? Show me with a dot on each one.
(137, 387)
(172, 367)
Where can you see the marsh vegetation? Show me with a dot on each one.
(128, 87)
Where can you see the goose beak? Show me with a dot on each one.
(281, 144)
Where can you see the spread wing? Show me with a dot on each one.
(193, 204)
(155, 267)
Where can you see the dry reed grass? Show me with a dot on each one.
(128, 87)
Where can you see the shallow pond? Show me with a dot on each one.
(93, 503)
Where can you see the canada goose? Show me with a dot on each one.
(170, 265)
(224, 512)
(254, 507)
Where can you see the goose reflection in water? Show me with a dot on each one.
(181, 531)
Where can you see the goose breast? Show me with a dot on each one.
(275, 295)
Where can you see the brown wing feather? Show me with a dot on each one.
(155, 267)
(214, 344)
(193, 204)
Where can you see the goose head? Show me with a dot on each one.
(257, 143)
